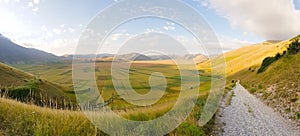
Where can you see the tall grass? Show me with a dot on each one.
(17, 118)
(21, 119)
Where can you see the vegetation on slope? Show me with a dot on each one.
(24, 119)
(279, 84)
(246, 58)
(25, 87)
(293, 49)
(139, 74)
(279, 78)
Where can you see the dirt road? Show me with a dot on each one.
(247, 115)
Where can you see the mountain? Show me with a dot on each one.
(88, 56)
(160, 57)
(11, 53)
(132, 57)
(197, 58)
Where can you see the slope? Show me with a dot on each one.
(13, 79)
(278, 85)
(11, 53)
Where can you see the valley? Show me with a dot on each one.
(54, 84)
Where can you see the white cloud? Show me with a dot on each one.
(30, 4)
(11, 23)
(169, 26)
(271, 19)
(57, 31)
(119, 36)
(71, 29)
(35, 9)
(36, 1)
(231, 43)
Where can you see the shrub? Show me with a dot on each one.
(252, 90)
(260, 87)
(298, 115)
(294, 47)
(266, 62)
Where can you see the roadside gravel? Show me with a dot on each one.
(248, 116)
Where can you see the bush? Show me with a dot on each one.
(266, 62)
(252, 90)
(298, 115)
(294, 47)
(260, 87)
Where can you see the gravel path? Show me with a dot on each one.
(247, 115)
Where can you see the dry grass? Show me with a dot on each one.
(25, 119)
(22, 119)
(243, 63)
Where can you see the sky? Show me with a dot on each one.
(56, 25)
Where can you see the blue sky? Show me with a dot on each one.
(55, 25)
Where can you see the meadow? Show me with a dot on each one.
(46, 121)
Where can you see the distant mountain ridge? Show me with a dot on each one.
(12, 53)
(197, 58)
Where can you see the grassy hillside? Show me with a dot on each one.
(278, 84)
(18, 84)
(247, 57)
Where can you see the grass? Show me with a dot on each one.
(33, 120)
(278, 84)
(250, 109)
(19, 83)
(25, 119)
(228, 102)
(246, 57)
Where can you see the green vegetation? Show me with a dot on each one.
(36, 120)
(298, 115)
(279, 83)
(268, 61)
(252, 90)
(229, 99)
(26, 92)
(250, 109)
(190, 130)
(293, 49)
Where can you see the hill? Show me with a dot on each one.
(247, 57)
(278, 85)
(23, 86)
(11, 53)
(132, 57)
